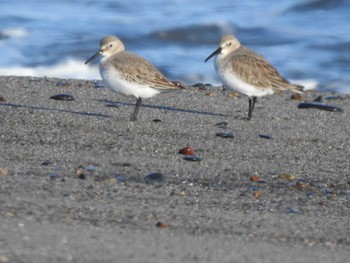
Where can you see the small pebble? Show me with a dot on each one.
(290, 210)
(225, 134)
(64, 97)
(289, 177)
(254, 178)
(233, 95)
(80, 173)
(258, 194)
(296, 96)
(192, 158)
(91, 168)
(318, 99)
(3, 259)
(265, 136)
(2, 99)
(162, 225)
(301, 185)
(53, 176)
(319, 106)
(46, 163)
(187, 151)
(4, 171)
(154, 177)
(121, 178)
(63, 84)
(211, 94)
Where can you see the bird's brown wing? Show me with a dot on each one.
(136, 69)
(257, 71)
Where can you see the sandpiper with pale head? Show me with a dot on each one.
(129, 74)
(246, 72)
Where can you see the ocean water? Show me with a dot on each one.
(306, 40)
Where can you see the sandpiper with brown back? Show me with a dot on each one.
(246, 72)
(129, 74)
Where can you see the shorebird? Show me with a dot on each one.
(129, 74)
(246, 72)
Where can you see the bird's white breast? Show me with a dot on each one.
(115, 82)
(233, 82)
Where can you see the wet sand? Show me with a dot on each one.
(74, 184)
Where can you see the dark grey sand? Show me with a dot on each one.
(109, 213)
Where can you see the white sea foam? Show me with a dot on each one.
(308, 84)
(15, 32)
(69, 68)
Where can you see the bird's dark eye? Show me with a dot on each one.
(110, 45)
(229, 43)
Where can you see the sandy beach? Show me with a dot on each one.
(79, 182)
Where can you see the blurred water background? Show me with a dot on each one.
(306, 40)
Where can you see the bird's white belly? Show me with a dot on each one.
(114, 82)
(234, 83)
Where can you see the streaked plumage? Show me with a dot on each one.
(129, 74)
(246, 72)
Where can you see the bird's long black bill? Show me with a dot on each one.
(93, 57)
(213, 54)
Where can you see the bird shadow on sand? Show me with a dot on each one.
(110, 103)
(84, 113)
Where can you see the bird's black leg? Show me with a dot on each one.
(251, 107)
(137, 109)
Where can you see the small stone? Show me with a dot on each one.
(80, 173)
(265, 136)
(53, 176)
(121, 178)
(154, 177)
(192, 158)
(63, 84)
(290, 210)
(211, 94)
(301, 185)
(258, 194)
(162, 225)
(2, 99)
(188, 150)
(46, 163)
(254, 178)
(3, 259)
(92, 168)
(289, 177)
(225, 134)
(296, 96)
(319, 106)
(233, 95)
(64, 97)
(157, 120)
(318, 99)
(4, 171)
(182, 193)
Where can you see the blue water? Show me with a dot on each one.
(305, 40)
